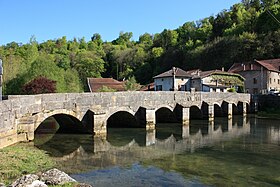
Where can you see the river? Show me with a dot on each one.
(243, 151)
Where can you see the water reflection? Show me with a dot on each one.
(243, 149)
(126, 146)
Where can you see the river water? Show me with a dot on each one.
(243, 151)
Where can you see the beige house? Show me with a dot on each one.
(262, 76)
(206, 81)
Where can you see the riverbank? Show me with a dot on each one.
(271, 113)
(19, 159)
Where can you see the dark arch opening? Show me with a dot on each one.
(61, 123)
(59, 135)
(195, 113)
(123, 128)
(165, 115)
(218, 111)
(237, 109)
(225, 108)
(122, 119)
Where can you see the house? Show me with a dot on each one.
(206, 81)
(215, 80)
(172, 80)
(96, 84)
(262, 76)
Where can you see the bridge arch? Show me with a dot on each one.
(165, 115)
(122, 118)
(196, 112)
(40, 117)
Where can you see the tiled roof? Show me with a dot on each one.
(96, 83)
(177, 71)
(149, 87)
(271, 65)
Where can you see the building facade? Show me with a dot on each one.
(175, 79)
(206, 81)
(262, 76)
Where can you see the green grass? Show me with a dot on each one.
(21, 159)
(270, 113)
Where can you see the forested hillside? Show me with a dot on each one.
(248, 30)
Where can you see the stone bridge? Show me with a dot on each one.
(21, 115)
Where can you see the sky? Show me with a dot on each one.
(52, 19)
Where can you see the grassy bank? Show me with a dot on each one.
(270, 113)
(21, 159)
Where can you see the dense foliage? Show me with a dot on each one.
(248, 30)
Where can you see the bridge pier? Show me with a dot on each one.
(229, 124)
(150, 119)
(99, 124)
(186, 116)
(185, 131)
(244, 108)
(210, 112)
(210, 127)
(150, 137)
(229, 110)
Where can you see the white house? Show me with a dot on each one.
(206, 81)
(174, 79)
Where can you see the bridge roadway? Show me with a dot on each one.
(21, 115)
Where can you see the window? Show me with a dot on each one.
(278, 81)
(274, 80)
(270, 80)
(255, 81)
(159, 88)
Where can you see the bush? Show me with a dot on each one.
(39, 85)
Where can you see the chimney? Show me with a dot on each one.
(173, 70)
(251, 66)
(244, 66)
(223, 69)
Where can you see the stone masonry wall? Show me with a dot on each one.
(21, 115)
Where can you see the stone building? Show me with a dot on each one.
(262, 76)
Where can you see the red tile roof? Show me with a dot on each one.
(149, 87)
(96, 83)
(271, 65)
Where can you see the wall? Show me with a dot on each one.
(273, 80)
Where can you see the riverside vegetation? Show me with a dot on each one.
(22, 159)
(248, 30)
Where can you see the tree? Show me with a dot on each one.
(39, 85)
(131, 84)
